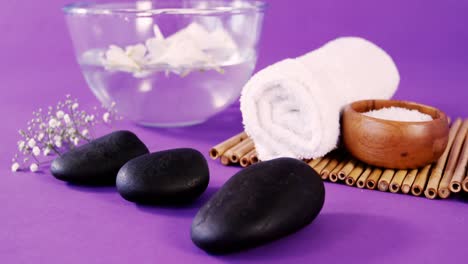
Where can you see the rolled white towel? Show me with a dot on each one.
(292, 108)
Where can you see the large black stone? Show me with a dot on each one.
(261, 203)
(165, 177)
(98, 162)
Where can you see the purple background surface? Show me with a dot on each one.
(43, 220)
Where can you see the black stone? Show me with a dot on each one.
(166, 177)
(261, 203)
(98, 162)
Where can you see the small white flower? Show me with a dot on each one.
(71, 130)
(58, 144)
(85, 132)
(34, 167)
(42, 126)
(75, 106)
(66, 119)
(89, 118)
(32, 143)
(46, 151)
(76, 141)
(40, 136)
(36, 151)
(59, 114)
(21, 145)
(15, 167)
(106, 117)
(58, 141)
(53, 123)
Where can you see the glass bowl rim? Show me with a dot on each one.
(117, 8)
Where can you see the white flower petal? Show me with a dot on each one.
(157, 32)
(15, 167)
(106, 117)
(59, 114)
(58, 144)
(156, 49)
(34, 167)
(136, 52)
(116, 58)
(21, 145)
(190, 48)
(219, 39)
(36, 151)
(53, 123)
(32, 143)
(66, 119)
(46, 151)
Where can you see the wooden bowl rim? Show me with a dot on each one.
(442, 115)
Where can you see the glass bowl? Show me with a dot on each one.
(166, 63)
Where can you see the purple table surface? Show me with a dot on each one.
(43, 220)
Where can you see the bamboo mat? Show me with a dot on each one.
(441, 179)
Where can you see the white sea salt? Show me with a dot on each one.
(399, 114)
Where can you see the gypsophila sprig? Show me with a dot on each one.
(56, 130)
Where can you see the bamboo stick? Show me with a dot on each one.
(458, 175)
(385, 179)
(322, 164)
(354, 174)
(254, 158)
(225, 160)
(397, 180)
(245, 160)
(241, 149)
(361, 182)
(436, 174)
(371, 181)
(443, 190)
(346, 170)
(465, 182)
(334, 173)
(218, 150)
(314, 162)
(330, 166)
(420, 181)
(409, 180)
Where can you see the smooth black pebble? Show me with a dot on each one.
(166, 177)
(259, 204)
(98, 162)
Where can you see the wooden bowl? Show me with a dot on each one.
(394, 144)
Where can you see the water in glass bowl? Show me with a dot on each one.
(165, 99)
